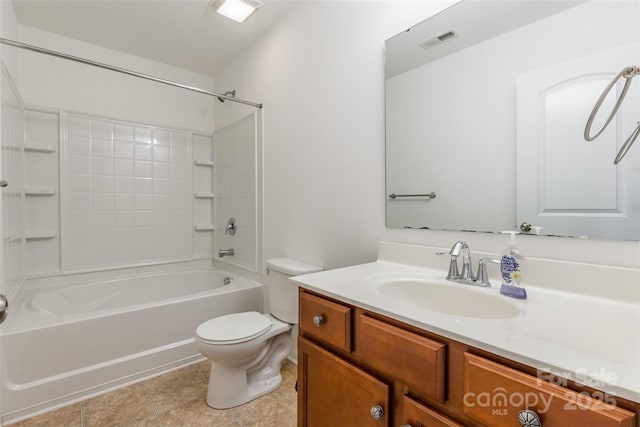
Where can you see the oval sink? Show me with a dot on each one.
(453, 300)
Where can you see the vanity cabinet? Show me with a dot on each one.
(359, 368)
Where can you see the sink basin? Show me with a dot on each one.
(463, 300)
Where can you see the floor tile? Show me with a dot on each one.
(261, 412)
(70, 416)
(177, 388)
(177, 398)
(198, 414)
(119, 408)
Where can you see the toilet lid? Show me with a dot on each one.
(234, 328)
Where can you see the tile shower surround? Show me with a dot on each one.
(178, 399)
(236, 189)
(125, 193)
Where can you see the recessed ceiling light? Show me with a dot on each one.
(238, 10)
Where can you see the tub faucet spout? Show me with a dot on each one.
(225, 252)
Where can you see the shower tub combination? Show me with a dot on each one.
(64, 343)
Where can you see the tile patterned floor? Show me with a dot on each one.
(177, 398)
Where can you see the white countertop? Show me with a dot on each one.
(585, 338)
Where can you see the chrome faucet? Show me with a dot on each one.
(466, 276)
(225, 252)
(482, 278)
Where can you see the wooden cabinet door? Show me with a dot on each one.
(333, 392)
(415, 414)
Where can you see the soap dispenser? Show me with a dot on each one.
(512, 265)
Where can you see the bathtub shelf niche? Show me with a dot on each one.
(203, 195)
(205, 163)
(40, 191)
(203, 228)
(39, 148)
(41, 234)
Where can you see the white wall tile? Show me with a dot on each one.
(161, 137)
(101, 147)
(161, 170)
(123, 184)
(123, 167)
(102, 201)
(102, 183)
(78, 145)
(143, 202)
(79, 183)
(163, 186)
(78, 126)
(143, 169)
(124, 201)
(120, 200)
(122, 132)
(101, 166)
(142, 152)
(143, 185)
(125, 219)
(160, 153)
(123, 149)
(102, 130)
(143, 135)
(236, 191)
(102, 219)
(78, 165)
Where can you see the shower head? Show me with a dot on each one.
(231, 93)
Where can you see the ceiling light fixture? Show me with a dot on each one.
(238, 10)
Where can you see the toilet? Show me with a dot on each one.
(247, 349)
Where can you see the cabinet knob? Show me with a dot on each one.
(529, 418)
(3, 183)
(377, 412)
(318, 320)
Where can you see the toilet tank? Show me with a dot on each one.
(282, 293)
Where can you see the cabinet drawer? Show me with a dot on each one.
(416, 414)
(410, 358)
(332, 322)
(494, 394)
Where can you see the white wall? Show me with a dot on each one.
(58, 83)
(319, 73)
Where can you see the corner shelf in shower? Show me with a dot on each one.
(41, 234)
(39, 191)
(206, 163)
(39, 148)
(203, 227)
(203, 195)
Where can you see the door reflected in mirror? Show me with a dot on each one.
(486, 104)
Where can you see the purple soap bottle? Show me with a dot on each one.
(512, 266)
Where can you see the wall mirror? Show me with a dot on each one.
(486, 104)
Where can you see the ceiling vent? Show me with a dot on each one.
(438, 40)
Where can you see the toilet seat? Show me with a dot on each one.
(234, 328)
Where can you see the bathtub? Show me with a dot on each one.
(65, 343)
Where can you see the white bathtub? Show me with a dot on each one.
(65, 343)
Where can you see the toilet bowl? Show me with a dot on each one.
(247, 349)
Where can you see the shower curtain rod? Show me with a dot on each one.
(32, 48)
